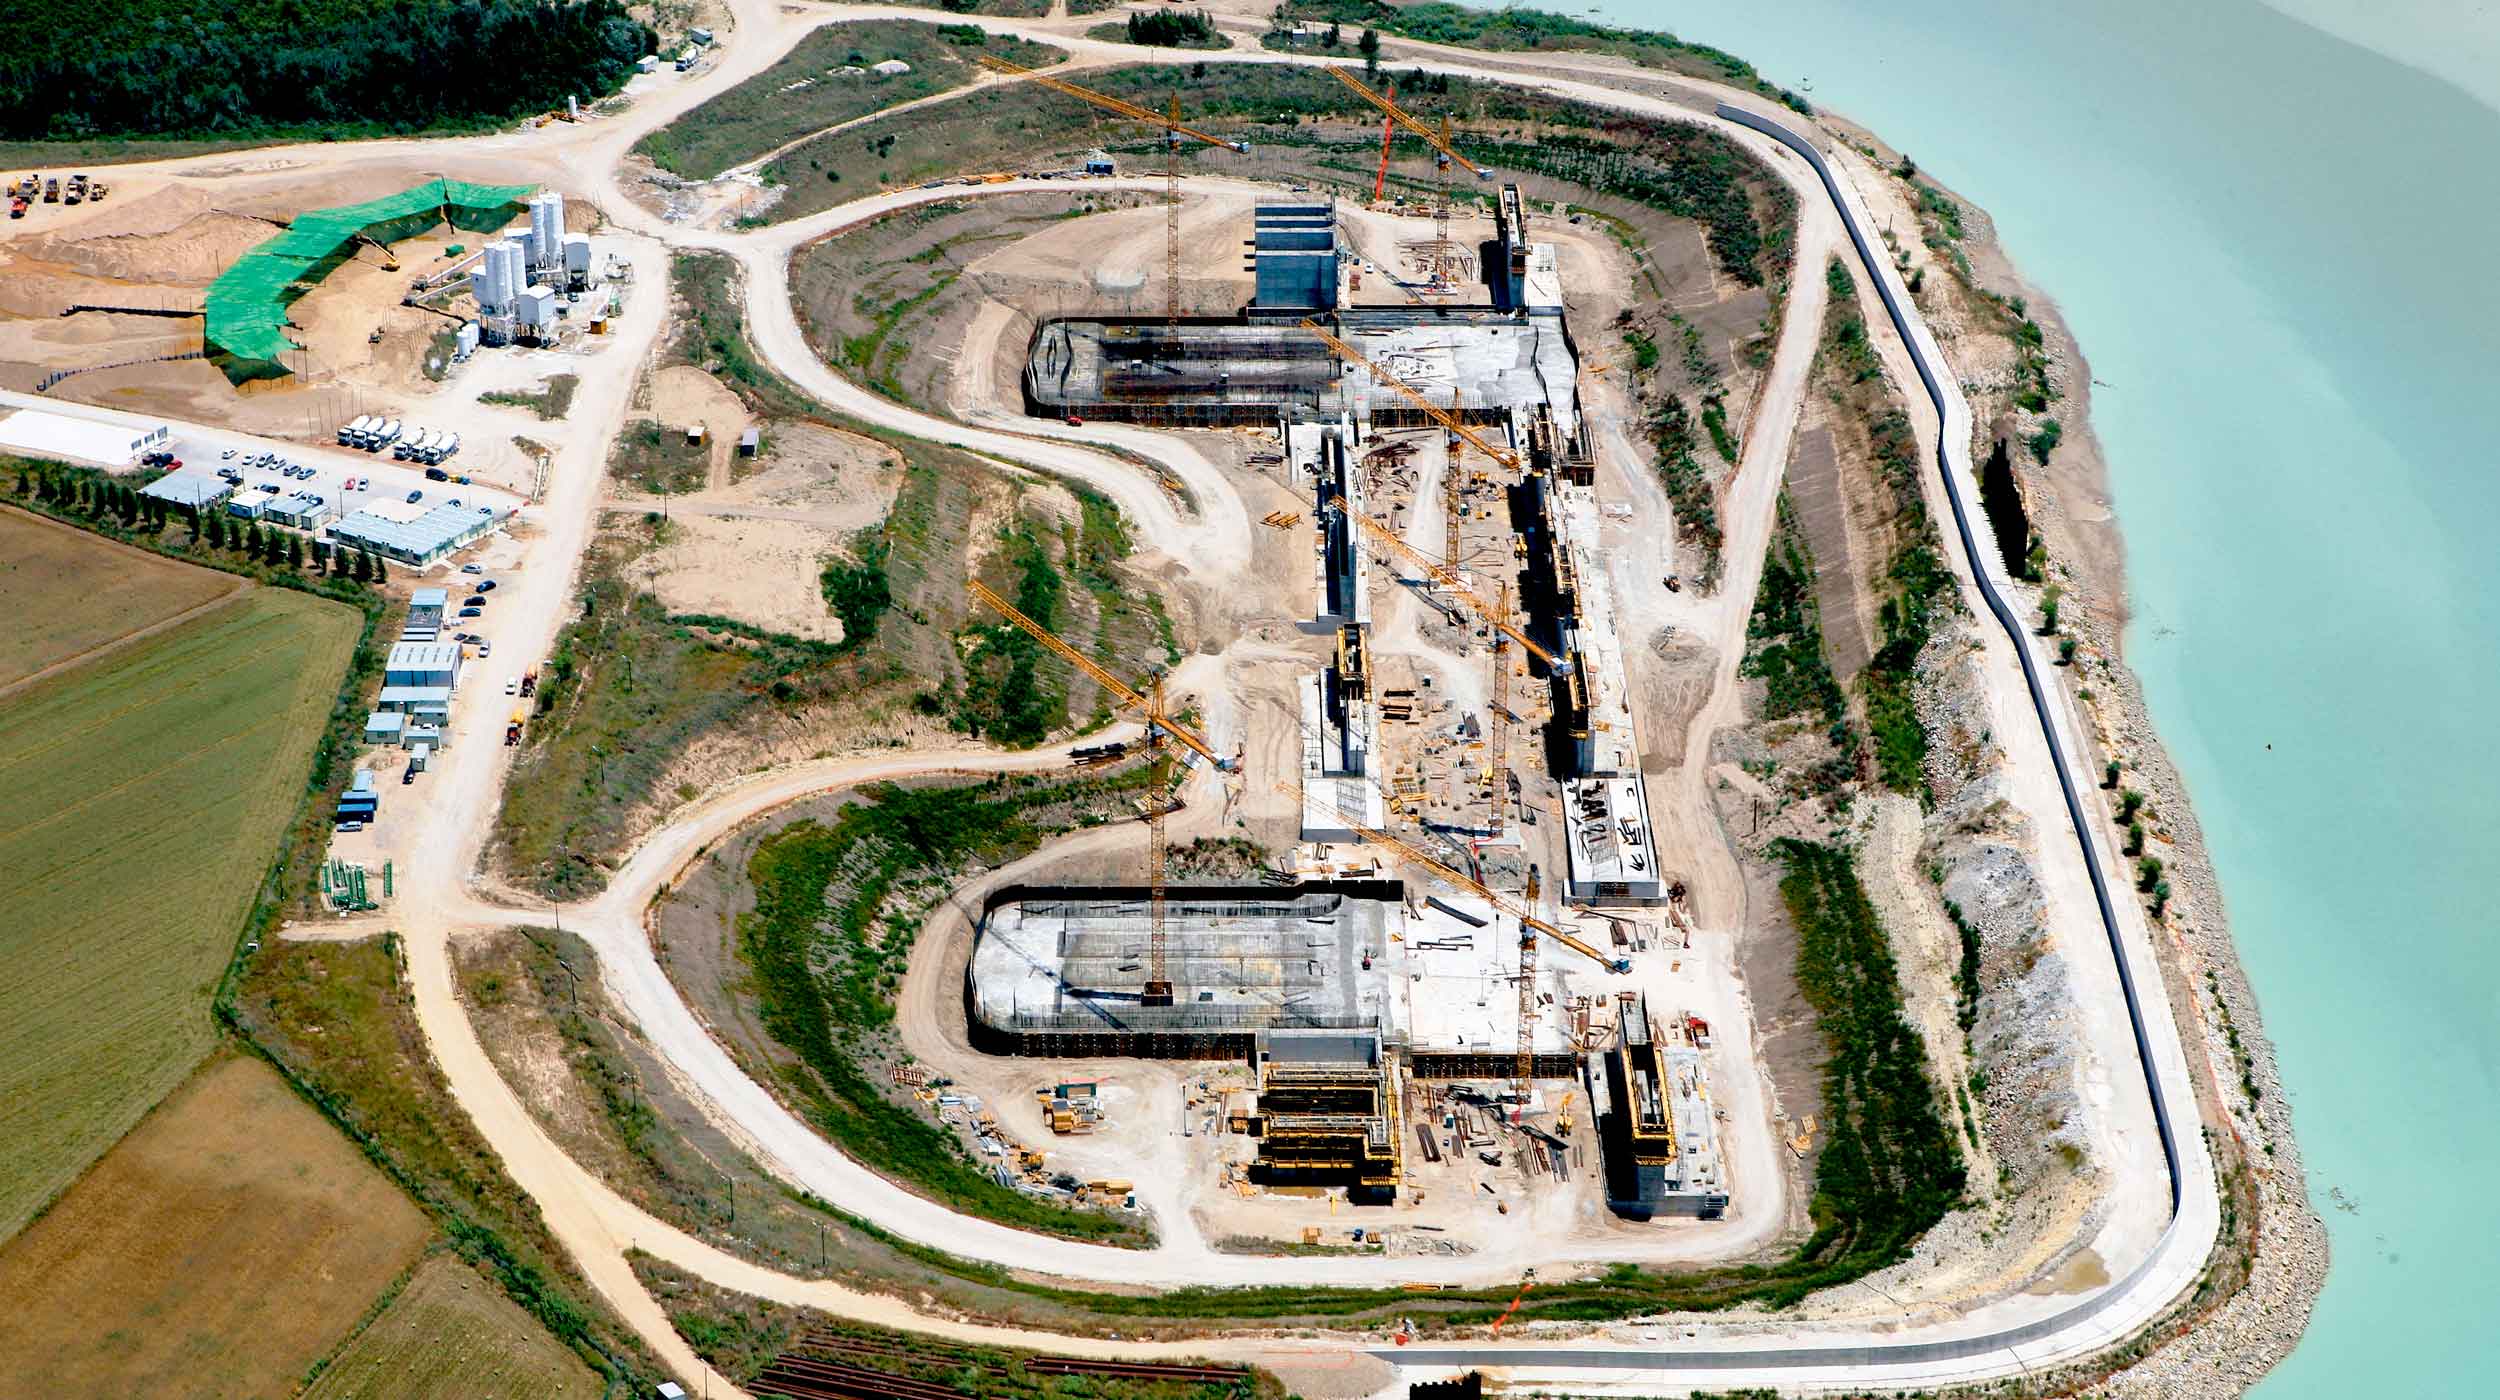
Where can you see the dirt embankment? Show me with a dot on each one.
(2023, 368)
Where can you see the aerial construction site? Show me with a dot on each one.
(1063, 692)
(1410, 1007)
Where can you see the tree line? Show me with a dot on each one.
(122, 511)
(347, 66)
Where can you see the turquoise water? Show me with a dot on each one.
(2278, 251)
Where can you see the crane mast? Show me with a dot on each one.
(1497, 720)
(1173, 131)
(1444, 155)
(1159, 725)
(1413, 395)
(1448, 578)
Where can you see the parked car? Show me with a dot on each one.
(473, 612)
(229, 455)
(472, 568)
(407, 775)
(512, 685)
(486, 585)
(437, 474)
(478, 601)
(415, 496)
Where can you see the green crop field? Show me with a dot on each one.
(141, 798)
(447, 1331)
(119, 591)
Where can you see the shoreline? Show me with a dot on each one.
(2225, 1347)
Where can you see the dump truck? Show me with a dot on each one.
(512, 729)
(17, 207)
(529, 682)
(52, 190)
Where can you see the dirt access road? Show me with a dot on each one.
(596, 1225)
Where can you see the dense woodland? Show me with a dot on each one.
(351, 67)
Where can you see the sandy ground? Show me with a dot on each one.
(752, 549)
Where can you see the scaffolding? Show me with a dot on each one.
(1330, 1122)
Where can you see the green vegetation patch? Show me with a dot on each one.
(1288, 110)
(829, 78)
(1164, 29)
(1889, 1168)
(1510, 28)
(1687, 483)
(331, 68)
(1917, 586)
(627, 686)
(837, 905)
(657, 460)
(741, 1335)
(141, 799)
(552, 399)
(1001, 9)
(1784, 638)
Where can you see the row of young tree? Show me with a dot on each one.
(107, 502)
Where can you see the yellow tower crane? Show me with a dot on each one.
(1158, 989)
(1497, 723)
(1174, 130)
(1448, 578)
(1529, 927)
(1444, 155)
(1415, 396)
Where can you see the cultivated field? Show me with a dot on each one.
(141, 797)
(220, 1249)
(452, 1335)
(66, 592)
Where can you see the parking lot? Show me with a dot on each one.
(342, 475)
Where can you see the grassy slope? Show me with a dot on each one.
(139, 800)
(767, 110)
(837, 905)
(1515, 28)
(739, 1335)
(1686, 171)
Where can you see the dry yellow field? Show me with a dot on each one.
(114, 592)
(219, 1250)
(452, 1335)
(142, 797)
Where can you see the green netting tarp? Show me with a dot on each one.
(247, 305)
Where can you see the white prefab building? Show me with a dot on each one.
(412, 533)
(427, 606)
(39, 434)
(424, 665)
